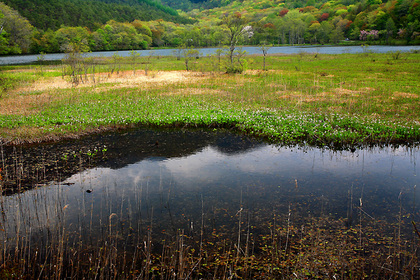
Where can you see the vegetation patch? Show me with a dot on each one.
(283, 105)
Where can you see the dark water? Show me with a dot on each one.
(22, 59)
(131, 181)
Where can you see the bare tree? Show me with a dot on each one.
(74, 61)
(236, 25)
(134, 58)
(189, 54)
(264, 49)
(148, 62)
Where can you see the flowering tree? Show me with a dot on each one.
(368, 35)
(401, 33)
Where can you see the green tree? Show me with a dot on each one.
(2, 20)
(336, 35)
(74, 61)
(390, 29)
(219, 36)
(3, 40)
(295, 27)
(71, 38)
(100, 40)
(53, 14)
(143, 29)
(45, 42)
(313, 32)
(157, 29)
(134, 60)
(281, 30)
(16, 31)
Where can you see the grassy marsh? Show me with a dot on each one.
(326, 100)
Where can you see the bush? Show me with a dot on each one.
(234, 69)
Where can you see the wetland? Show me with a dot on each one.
(140, 169)
(173, 203)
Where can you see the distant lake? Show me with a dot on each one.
(23, 59)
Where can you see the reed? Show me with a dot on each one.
(321, 247)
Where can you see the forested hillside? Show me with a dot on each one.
(45, 14)
(94, 25)
(188, 5)
(321, 22)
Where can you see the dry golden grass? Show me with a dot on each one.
(347, 92)
(28, 99)
(261, 72)
(129, 79)
(120, 80)
(26, 134)
(404, 95)
(23, 103)
(194, 91)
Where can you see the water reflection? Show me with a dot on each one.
(160, 183)
(284, 175)
(28, 166)
(222, 171)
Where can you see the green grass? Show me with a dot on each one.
(9, 81)
(325, 100)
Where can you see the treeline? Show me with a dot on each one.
(324, 22)
(334, 21)
(18, 36)
(52, 14)
(111, 36)
(267, 22)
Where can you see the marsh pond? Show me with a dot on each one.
(179, 204)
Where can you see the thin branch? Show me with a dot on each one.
(415, 228)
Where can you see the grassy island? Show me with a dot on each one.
(324, 100)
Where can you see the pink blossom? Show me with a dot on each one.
(372, 34)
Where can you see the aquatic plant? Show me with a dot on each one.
(266, 246)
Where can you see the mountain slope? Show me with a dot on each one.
(45, 14)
